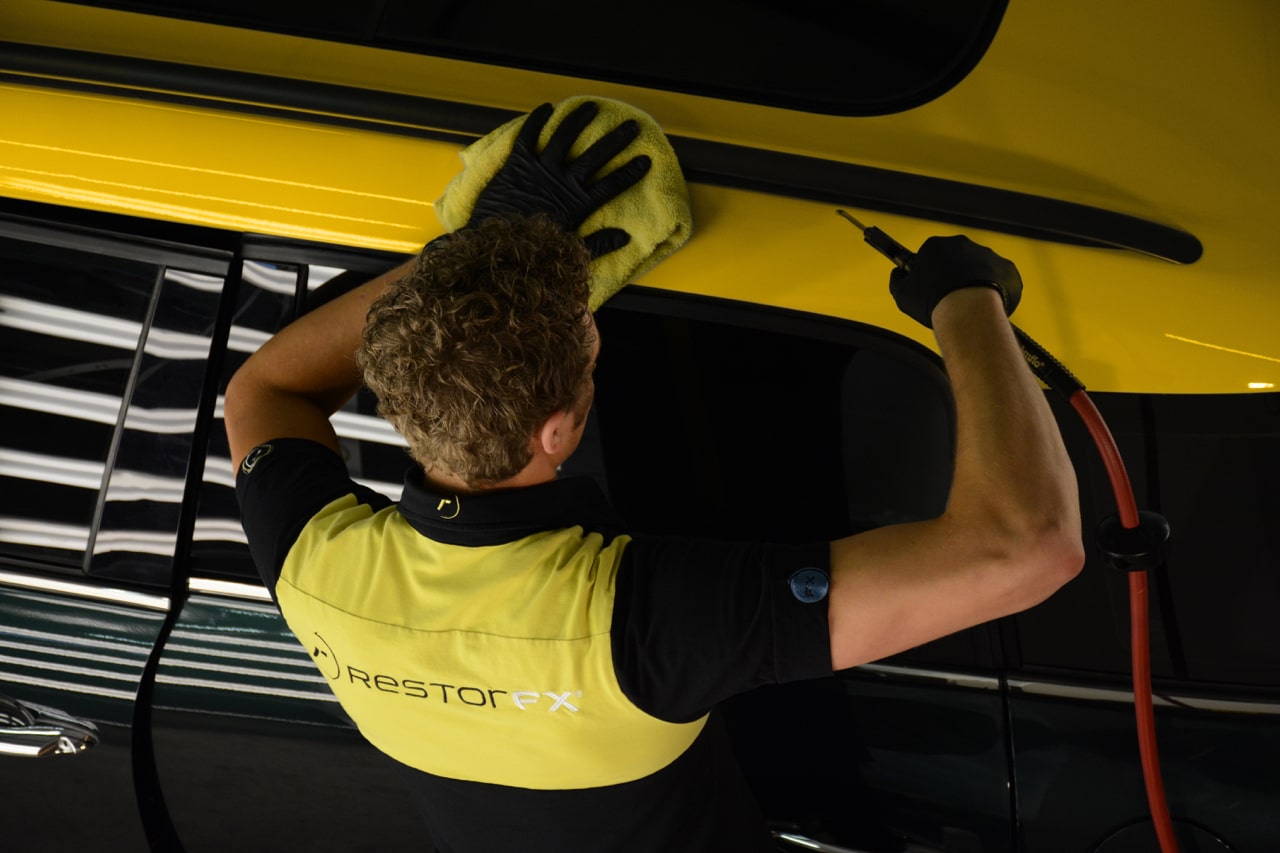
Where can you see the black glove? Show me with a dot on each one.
(530, 182)
(944, 264)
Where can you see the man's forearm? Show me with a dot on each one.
(302, 375)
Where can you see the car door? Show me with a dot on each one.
(243, 709)
(1208, 463)
(724, 419)
(103, 352)
(252, 749)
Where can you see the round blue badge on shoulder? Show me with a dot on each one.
(810, 585)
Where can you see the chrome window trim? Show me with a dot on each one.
(230, 589)
(1061, 690)
(150, 250)
(80, 589)
(956, 679)
(1064, 690)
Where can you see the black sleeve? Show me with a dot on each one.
(281, 485)
(696, 622)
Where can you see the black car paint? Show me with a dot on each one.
(1015, 736)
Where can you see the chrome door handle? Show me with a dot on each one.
(794, 840)
(28, 730)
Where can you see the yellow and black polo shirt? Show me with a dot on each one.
(548, 674)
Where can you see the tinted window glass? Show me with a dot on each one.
(1218, 463)
(270, 295)
(376, 455)
(800, 433)
(135, 532)
(265, 301)
(863, 57)
(1085, 625)
(72, 323)
(739, 431)
(1209, 465)
(740, 423)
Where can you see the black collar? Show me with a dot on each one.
(494, 518)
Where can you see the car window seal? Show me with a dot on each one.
(49, 225)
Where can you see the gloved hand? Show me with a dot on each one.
(530, 182)
(944, 264)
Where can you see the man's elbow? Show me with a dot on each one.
(233, 394)
(1052, 558)
(1061, 537)
(239, 406)
(1047, 532)
(234, 399)
(1038, 549)
(1064, 554)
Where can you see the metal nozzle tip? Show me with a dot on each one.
(849, 217)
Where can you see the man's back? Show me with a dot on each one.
(546, 676)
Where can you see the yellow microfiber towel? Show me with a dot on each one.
(655, 211)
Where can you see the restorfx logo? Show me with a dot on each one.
(254, 457)
(457, 695)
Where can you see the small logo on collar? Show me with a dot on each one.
(448, 508)
(255, 456)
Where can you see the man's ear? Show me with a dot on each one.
(554, 432)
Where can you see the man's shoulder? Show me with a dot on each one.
(285, 454)
(281, 485)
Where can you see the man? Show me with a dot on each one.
(550, 678)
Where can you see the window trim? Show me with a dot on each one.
(189, 248)
(83, 589)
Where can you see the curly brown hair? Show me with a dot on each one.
(475, 348)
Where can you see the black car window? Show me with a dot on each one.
(1084, 627)
(728, 420)
(1217, 462)
(270, 294)
(774, 425)
(266, 297)
(1209, 464)
(101, 369)
(866, 57)
(72, 322)
(765, 425)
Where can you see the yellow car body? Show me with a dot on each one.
(1168, 114)
(1121, 154)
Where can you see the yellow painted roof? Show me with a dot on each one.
(1172, 119)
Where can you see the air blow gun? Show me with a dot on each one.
(1133, 541)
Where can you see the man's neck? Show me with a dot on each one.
(539, 470)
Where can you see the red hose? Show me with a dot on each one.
(1127, 508)
(1126, 505)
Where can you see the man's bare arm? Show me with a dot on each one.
(302, 375)
(1010, 535)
